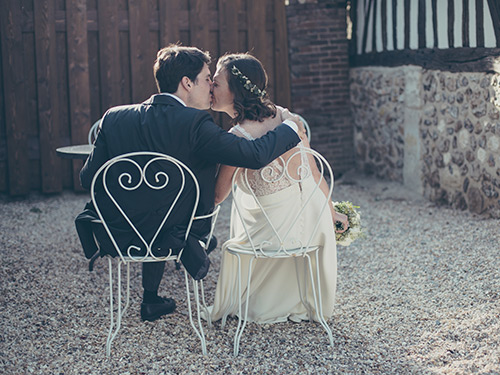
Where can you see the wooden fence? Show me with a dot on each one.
(65, 62)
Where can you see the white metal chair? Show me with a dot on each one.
(94, 129)
(146, 173)
(283, 243)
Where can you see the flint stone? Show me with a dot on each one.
(475, 199)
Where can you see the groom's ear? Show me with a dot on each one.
(186, 83)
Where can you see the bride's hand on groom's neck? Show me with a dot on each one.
(285, 114)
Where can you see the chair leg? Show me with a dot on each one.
(127, 303)
(317, 297)
(204, 305)
(232, 304)
(239, 332)
(303, 291)
(229, 308)
(199, 330)
(117, 325)
(111, 308)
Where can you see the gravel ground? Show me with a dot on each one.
(420, 294)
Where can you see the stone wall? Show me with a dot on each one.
(319, 72)
(377, 102)
(437, 132)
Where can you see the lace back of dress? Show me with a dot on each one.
(273, 177)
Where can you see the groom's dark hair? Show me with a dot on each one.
(174, 62)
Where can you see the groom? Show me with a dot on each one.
(174, 122)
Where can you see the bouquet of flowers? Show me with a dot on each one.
(354, 230)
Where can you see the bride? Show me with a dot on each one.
(239, 90)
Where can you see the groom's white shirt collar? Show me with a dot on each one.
(175, 97)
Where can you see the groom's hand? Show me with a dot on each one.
(287, 115)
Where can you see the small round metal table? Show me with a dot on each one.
(75, 152)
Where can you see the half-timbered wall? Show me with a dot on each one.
(425, 97)
(389, 25)
(64, 62)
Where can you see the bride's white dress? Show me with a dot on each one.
(274, 291)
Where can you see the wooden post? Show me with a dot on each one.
(281, 69)
(14, 94)
(169, 22)
(78, 77)
(109, 53)
(199, 24)
(228, 25)
(256, 25)
(141, 57)
(48, 99)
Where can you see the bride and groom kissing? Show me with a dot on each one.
(175, 122)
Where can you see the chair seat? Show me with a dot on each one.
(149, 259)
(272, 253)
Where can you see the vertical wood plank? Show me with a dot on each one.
(15, 119)
(169, 21)
(353, 14)
(63, 97)
(422, 42)
(125, 83)
(434, 22)
(141, 61)
(465, 23)
(282, 92)
(480, 23)
(3, 135)
(78, 77)
(374, 27)
(451, 23)
(228, 25)
(394, 24)
(365, 27)
(109, 67)
(256, 15)
(407, 24)
(383, 7)
(495, 18)
(198, 24)
(48, 102)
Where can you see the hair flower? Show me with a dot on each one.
(247, 84)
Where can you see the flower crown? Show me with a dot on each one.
(247, 84)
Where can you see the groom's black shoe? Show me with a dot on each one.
(153, 311)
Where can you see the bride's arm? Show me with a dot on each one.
(223, 183)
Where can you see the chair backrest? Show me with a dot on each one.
(144, 195)
(93, 132)
(285, 221)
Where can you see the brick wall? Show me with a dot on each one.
(319, 69)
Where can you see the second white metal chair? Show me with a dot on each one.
(146, 173)
(94, 129)
(283, 243)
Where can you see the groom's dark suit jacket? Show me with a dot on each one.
(163, 124)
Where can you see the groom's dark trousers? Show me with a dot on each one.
(163, 124)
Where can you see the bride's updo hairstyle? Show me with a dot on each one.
(251, 102)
